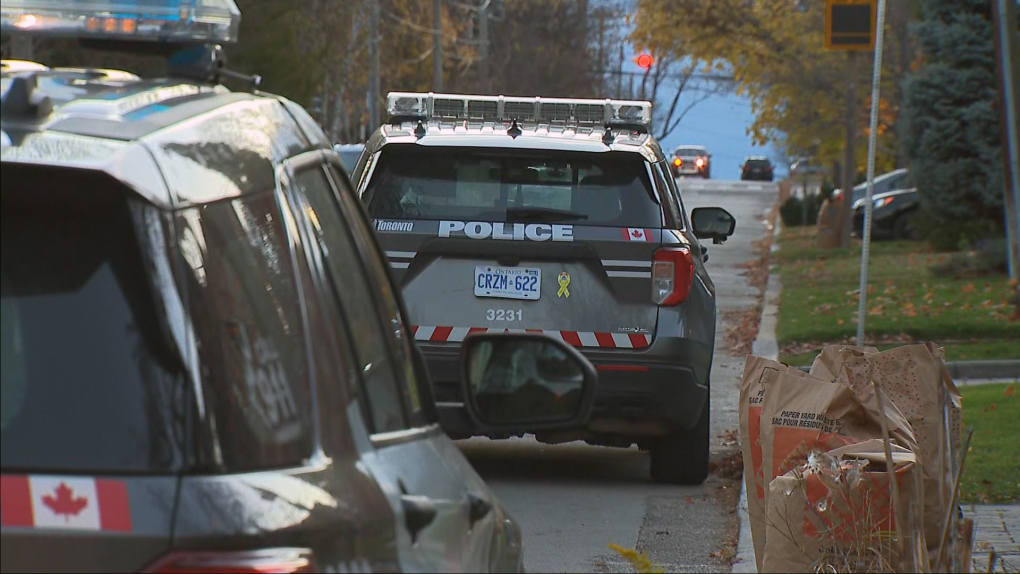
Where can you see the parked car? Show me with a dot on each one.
(584, 238)
(757, 168)
(892, 215)
(890, 181)
(206, 364)
(349, 155)
(691, 160)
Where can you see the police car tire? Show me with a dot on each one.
(681, 457)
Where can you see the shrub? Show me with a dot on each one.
(792, 210)
(988, 257)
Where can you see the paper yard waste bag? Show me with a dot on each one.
(829, 362)
(833, 513)
(758, 375)
(916, 380)
(801, 415)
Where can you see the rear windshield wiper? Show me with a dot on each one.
(542, 213)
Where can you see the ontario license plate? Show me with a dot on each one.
(508, 282)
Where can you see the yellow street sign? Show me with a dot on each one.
(850, 25)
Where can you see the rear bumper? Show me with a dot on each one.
(636, 389)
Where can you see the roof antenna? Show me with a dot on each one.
(419, 130)
(514, 130)
(608, 138)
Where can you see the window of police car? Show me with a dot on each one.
(251, 339)
(607, 189)
(388, 385)
(386, 293)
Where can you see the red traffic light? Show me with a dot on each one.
(644, 61)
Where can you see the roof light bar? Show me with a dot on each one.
(555, 111)
(181, 21)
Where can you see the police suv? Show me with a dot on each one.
(557, 216)
(206, 365)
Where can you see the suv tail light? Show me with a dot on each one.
(282, 560)
(672, 273)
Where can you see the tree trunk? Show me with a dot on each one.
(849, 171)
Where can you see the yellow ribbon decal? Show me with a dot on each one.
(564, 281)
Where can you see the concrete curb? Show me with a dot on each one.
(765, 345)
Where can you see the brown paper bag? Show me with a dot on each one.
(916, 379)
(800, 416)
(834, 512)
(829, 361)
(758, 375)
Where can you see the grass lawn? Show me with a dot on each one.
(906, 301)
(992, 471)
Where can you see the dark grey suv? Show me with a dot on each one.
(560, 217)
(206, 366)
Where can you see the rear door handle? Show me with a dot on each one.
(419, 512)
(478, 507)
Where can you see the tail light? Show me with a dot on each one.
(678, 162)
(672, 273)
(274, 560)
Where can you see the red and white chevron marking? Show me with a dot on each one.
(585, 339)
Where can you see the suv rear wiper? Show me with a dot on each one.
(542, 213)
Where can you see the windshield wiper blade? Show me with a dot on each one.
(542, 213)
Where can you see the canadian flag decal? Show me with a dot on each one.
(636, 234)
(75, 503)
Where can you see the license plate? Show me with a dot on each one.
(508, 282)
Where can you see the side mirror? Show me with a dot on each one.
(525, 382)
(713, 223)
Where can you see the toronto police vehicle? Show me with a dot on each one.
(561, 217)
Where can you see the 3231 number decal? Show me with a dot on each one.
(504, 314)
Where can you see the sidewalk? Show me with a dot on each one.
(996, 527)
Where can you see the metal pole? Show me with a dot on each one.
(437, 45)
(1008, 47)
(483, 48)
(850, 119)
(876, 83)
(373, 70)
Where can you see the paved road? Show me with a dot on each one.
(574, 499)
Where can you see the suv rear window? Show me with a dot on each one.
(415, 182)
(91, 380)
(758, 163)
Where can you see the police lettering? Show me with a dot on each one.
(507, 231)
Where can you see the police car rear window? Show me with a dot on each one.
(600, 189)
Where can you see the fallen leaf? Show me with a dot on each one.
(840, 321)
(1010, 392)
(990, 407)
(688, 500)
(716, 554)
(968, 288)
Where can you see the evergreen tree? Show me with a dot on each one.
(951, 126)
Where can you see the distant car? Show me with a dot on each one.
(691, 160)
(349, 155)
(804, 167)
(891, 215)
(891, 181)
(757, 168)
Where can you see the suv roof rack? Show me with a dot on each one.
(424, 106)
